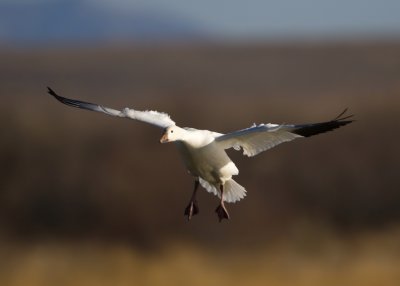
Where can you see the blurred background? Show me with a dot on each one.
(87, 199)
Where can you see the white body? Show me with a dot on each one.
(206, 160)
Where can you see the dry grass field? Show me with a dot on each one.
(87, 199)
(371, 260)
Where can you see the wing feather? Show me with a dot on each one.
(156, 118)
(259, 138)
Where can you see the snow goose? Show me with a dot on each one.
(203, 151)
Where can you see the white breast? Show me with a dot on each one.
(204, 158)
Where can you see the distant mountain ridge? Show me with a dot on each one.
(77, 21)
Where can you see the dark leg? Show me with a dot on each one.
(221, 210)
(192, 209)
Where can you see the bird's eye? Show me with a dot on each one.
(172, 131)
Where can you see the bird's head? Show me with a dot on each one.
(172, 133)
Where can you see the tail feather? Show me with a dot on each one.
(233, 192)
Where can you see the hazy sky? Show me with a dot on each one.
(260, 18)
(275, 17)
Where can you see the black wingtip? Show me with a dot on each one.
(50, 91)
(56, 96)
(76, 103)
(340, 116)
(308, 130)
(53, 93)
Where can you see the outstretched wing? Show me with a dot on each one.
(156, 118)
(259, 138)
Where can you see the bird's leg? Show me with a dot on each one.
(192, 208)
(221, 210)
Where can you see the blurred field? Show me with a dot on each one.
(87, 199)
(371, 260)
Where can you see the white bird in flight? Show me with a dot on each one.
(203, 151)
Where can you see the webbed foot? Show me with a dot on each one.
(191, 210)
(222, 212)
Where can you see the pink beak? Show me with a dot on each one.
(164, 138)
